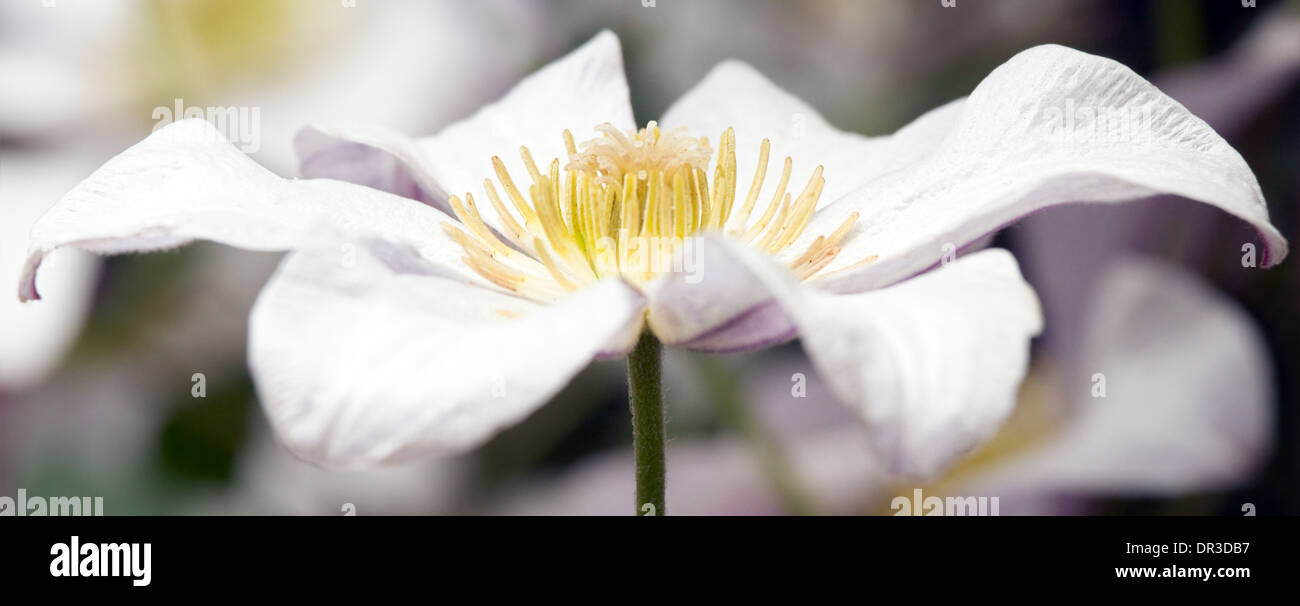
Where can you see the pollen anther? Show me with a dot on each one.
(622, 204)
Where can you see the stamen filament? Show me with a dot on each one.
(623, 204)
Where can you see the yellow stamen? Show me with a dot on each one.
(622, 204)
(469, 217)
(775, 229)
(772, 206)
(514, 230)
(525, 211)
(816, 264)
(862, 263)
(553, 267)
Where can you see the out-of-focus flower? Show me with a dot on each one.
(1173, 395)
(271, 481)
(1186, 409)
(59, 63)
(82, 76)
(462, 327)
(109, 68)
(1228, 91)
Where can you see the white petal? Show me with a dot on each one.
(368, 364)
(736, 95)
(577, 92)
(717, 306)
(186, 182)
(932, 364)
(1065, 250)
(1027, 139)
(1188, 395)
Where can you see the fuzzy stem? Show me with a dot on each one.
(645, 398)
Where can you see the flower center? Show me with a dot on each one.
(625, 205)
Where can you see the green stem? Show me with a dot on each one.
(645, 398)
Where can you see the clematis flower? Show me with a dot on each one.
(465, 277)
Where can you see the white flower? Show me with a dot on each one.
(396, 330)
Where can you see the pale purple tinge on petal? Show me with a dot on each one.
(718, 306)
(1188, 397)
(34, 338)
(1050, 126)
(763, 325)
(368, 156)
(187, 182)
(932, 364)
(578, 92)
(364, 363)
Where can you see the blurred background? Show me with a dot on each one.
(1200, 354)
